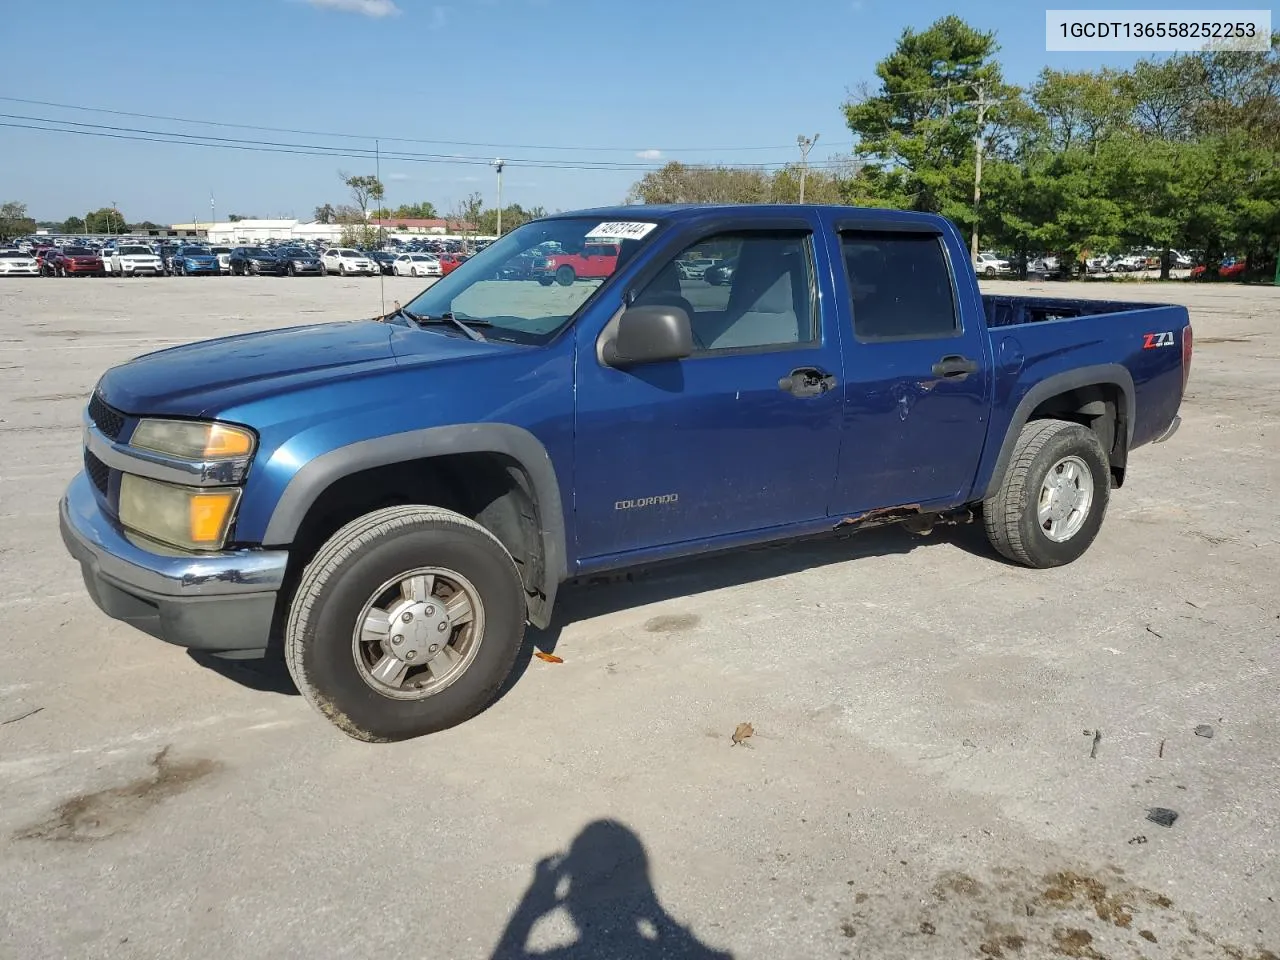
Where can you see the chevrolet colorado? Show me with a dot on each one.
(394, 499)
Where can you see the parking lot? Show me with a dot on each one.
(920, 783)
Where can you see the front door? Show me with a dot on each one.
(742, 435)
(917, 390)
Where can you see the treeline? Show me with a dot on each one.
(1182, 152)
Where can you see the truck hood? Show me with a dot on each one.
(206, 378)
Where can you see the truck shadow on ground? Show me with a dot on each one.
(601, 887)
(599, 596)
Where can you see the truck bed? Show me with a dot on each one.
(1006, 311)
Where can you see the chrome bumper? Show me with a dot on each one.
(218, 602)
(1170, 430)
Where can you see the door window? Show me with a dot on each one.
(755, 294)
(900, 285)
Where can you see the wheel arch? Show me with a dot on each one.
(533, 485)
(1100, 397)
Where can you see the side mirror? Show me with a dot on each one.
(650, 333)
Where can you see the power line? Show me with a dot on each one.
(368, 137)
(321, 150)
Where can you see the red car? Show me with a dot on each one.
(76, 262)
(1235, 269)
(596, 261)
(450, 262)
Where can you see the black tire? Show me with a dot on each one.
(1010, 516)
(334, 587)
(292, 272)
(565, 276)
(990, 271)
(546, 281)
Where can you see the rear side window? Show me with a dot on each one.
(900, 286)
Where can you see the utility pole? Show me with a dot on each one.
(498, 165)
(112, 220)
(805, 144)
(213, 217)
(978, 141)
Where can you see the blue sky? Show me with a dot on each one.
(553, 81)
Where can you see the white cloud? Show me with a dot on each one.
(367, 8)
(650, 154)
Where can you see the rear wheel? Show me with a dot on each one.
(406, 622)
(990, 271)
(1053, 497)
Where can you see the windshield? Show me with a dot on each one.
(221, 250)
(13, 255)
(348, 253)
(257, 252)
(528, 301)
(136, 251)
(192, 252)
(78, 252)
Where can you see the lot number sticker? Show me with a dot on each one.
(620, 231)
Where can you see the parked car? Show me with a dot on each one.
(721, 273)
(403, 495)
(1229, 270)
(46, 258)
(300, 262)
(694, 267)
(595, 261)
(224, 258)
(72, 261)
(450, 262)
(194, 261)
(347, 262)
(989, 265)
(416, 265)
(1133, 263)
(133, 260)
(384, 260)
(255, 261)
(15, 263)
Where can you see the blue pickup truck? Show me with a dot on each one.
(392, 500)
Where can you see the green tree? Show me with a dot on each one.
(73, 224)
(424, 210)
(106, 220)
(917, 131)
(684, 183)
(325, 214)
(364, 191)
(14, 221)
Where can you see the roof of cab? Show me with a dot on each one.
(685, 211)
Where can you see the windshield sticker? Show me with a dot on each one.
(620, 231)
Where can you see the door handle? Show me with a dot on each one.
(955, 367)
(807, 382)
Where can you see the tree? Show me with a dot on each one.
(237, 217)
(73, 224)
(917, 132)
(325, 214)
(14, 221)
(364, 190)
(105, 220)
(682, 183)
(423, 210)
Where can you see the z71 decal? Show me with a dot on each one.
(1152, 340)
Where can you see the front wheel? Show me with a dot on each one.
(406, 622)
(565, 276)
(1054, 494)
(990, 271)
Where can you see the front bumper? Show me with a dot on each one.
(218, 602)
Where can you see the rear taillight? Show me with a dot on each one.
(1186, 356)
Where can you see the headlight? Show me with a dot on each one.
(192, 517)
(191, 440)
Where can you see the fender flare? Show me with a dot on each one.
(1110, 374)
(520, 445)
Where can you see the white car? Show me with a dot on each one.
(133, 260)
(346, 262)
(988, 264)
(15, 263)
(416, 265)
(224, 258)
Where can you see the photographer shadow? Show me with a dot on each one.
(602, 883)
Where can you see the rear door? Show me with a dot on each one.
(740, 436)
(917, 390)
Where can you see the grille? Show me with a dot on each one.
(99, 473)
(107, 420)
